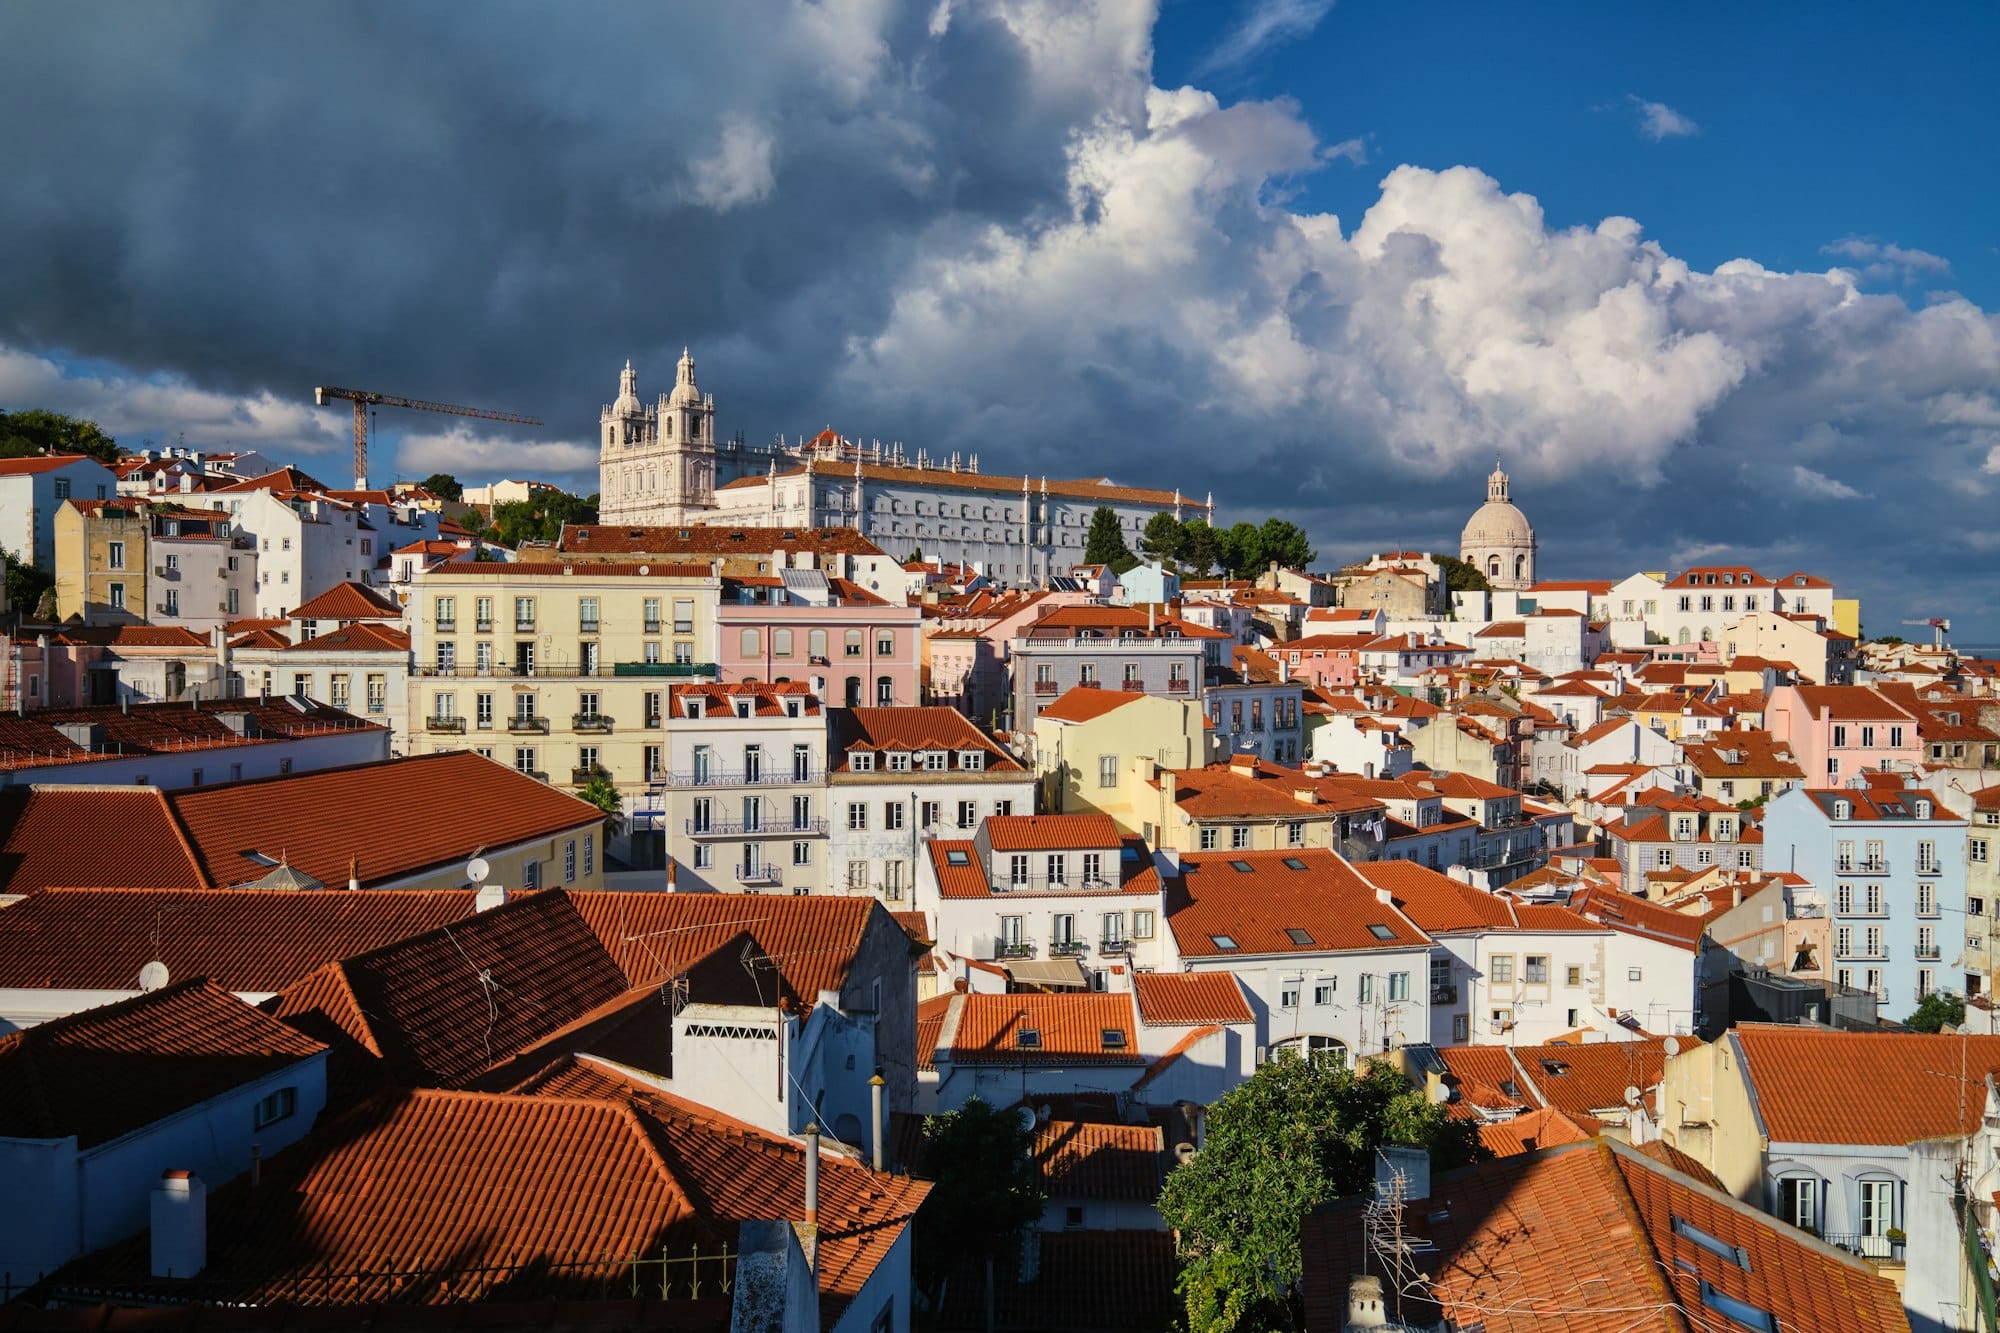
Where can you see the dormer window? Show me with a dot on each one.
(1843, 810)
(742, 708)
(791, 708)
(935, 761)
(899, 761)
(696, 707)
(861, 761)
(972, 761)
(1923, 809)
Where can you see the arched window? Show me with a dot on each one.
(1493, 567)
(853, 695)
(751, 643)
(667, 426)
(1684, 636)
(1521, 567)
(885, 691)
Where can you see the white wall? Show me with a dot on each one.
(175, 770)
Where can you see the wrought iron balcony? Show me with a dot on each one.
(1068, 948)
(759, 828)
(517, 722)
(716, 777)
(454, 725)
(760, 875)
(1014, 949)
(581, 776)
(1446, 994)
(591, 722)
(671, 670)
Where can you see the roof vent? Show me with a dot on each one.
(86, 735)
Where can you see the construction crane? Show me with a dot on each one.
(1939, 628)
(363, 399)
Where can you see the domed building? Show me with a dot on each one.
(1499, 540)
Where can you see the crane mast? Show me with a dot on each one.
(363, 399)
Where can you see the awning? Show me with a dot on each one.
(1049, 972)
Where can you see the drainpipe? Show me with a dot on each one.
(875, 1086)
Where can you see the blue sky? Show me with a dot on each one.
(1716, 282)
(1813, 122)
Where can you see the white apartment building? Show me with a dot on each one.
(742, 802)
(896, 776)
(32, 489)
(306, 543)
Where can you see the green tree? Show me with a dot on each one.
(1163, 538)
(1285, 543)
(540, 519)
(52, 432)
(601, 792)
(26, 586)
(444, 485)
(1106, 542)
(1300, 1132)
(1460, 576)
(1936, 1011)
(985, 1189)
(1200, 549)
(1241, 548)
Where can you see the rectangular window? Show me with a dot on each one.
(279, 1105)
(1503, 969)
(1142, 925)
(589, 855)
(1058, 866)
(1572, 976)
(892, 815)
(968, 814)
(524, 613)
(446, 612)
(1798, 1202)
(1399, 986)
(802, 853)
(115, 552)
(1107, 770)
(857, 815)
(337, 693)
(1017, 869)
(569, 860)
(1208, 840)
(447, 657)
(1239, 836)
(1288, 996)
(524, 760)
(1535, 969)
(117, 597)
(1365, 991)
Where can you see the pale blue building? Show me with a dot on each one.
(1890, 862)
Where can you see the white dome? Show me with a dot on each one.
(1497, 523)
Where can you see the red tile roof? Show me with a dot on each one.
(812, 940)
(105, 1072)
(1850, 703)
(477, 1184)
(1173, 999)
(134, 636)
(718, 539)
(360, 637)
(1438, 903)
(1262, 788)
(441, 1008)
(23, 467)
(1084, 1280)
(55, 838)
(1069, 1029)
(1533, 1130)
(349, 601)
(1636, 916)
(1025, 833)
(398, 817)
(1590, 1237)
(911, 729)
(1257, 899)
(1910, 1078)
(1484, 1079)
(1082, 705)
(1112, 1163)
(253, 941)
(1591, 1078)
(31, 740)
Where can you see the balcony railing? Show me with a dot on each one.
(737, 828)
(764, 874)
(581, 776)
(516, 722)
(1928, 951)
(591, 722)
(671, 670)
(587, 627)
(1014, 949)
(716, 777)
(1446, 994)
(1934, 868)
(1880, 867)
(651, 627)
(447, 627)
(1046, 687)
(1176, 685)
(1068, 948)
(454, 725)
(1868, 1247)
(1043, 884)
(484, 625)
(1114, 947)
(524, 627)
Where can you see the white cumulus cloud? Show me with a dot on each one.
(739, 172)
(1882, 261)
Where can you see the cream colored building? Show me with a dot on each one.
(1090, 746)
(560, 670)
(133, 562)
(1498, 539)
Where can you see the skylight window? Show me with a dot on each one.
(1555, 1068)
(1715, 1245)
(1298, 936)
(1240, 867)
(1028, 1039)
(1381, 932)
(1222, 941)
(1293, 863)
(956, 857)
(1738, 1311)
(1114, 1038)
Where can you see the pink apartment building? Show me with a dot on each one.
(1836, 731)
(854, 649)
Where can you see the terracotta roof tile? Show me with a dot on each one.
(911, 729)
(1636, 916)
(105, 1072)
(1907, 1075)
(811, 940)
(1222, 791)
(1083, 705)
(253, 941)
(1591, 1077)
(32, 741)
(78, 837)
(1533, 1130)
(1439, 903)
(1304, 901)
(1024, 833)
(1592, 1237)
(1067, 1029)
(397, 817)
(1174, 999)
(349, 601)
(717, 539)
(1112, 1163)
(1850, 703)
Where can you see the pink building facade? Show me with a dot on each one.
(862, 655)
(1836, 731)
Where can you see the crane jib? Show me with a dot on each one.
(363, 399)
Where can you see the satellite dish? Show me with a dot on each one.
(1026, 1115)
(644, 570)
(1186, 818)
(153, 976)
(1672, 1047)
(476, 869)
(1439, 1093)
(1184, 1152)
(1631, 1096)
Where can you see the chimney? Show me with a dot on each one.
(354, 874)
(180, 1225)
(489, 897)
(875, 1086)
(673, 875)
(1364, 1303)
(1403, 1173)
(811, 1229)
